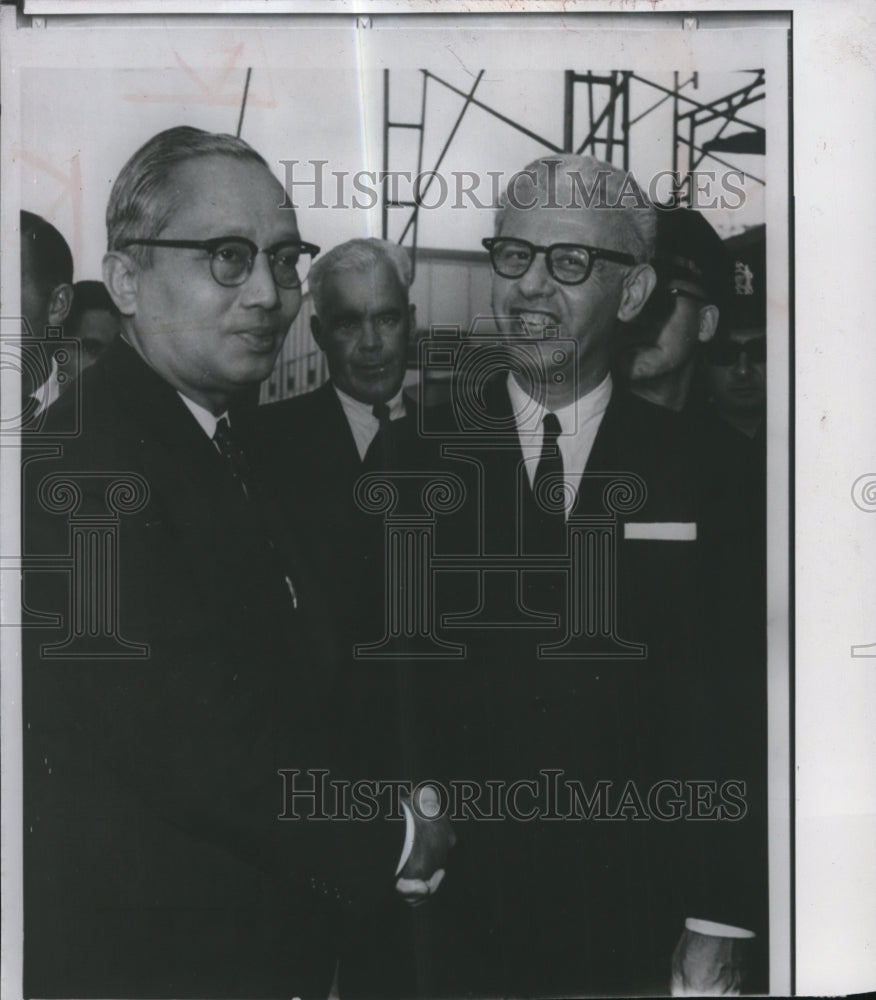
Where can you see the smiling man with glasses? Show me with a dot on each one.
(573, 907)
(572, 269)
(208, 277)
(156, 862)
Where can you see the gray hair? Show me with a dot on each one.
(358, 255)
(591, 183)
(143, 198)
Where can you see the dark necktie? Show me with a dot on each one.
(234, 457)
(382, 453)
(550, 526)
(240, 470)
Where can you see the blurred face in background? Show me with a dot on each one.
(95, 329)
(363, 330)
(736, 371)
(691, 321)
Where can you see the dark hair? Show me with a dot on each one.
(143, 198)
(88, 295)
(50, 255)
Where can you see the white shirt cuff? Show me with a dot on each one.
(409, 838)
(716, 930)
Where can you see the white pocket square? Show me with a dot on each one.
(662, 531)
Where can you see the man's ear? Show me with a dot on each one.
(316, 330)
(637, 287)
(60, 301)
(709, 316)
(121, 276)
(412, 319)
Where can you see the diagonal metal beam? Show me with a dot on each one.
(722, 162)
(690, 100)
(422, 194)
(502, 118)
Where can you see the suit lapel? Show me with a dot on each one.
(192, 494)
(604, 453)
(341, 450)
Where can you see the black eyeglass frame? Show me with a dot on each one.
(726, 354)
(593, 254)
(214, 244)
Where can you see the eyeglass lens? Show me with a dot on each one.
(232, 261)
(512, 259)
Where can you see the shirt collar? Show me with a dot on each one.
(206, 420)
(529, 414)
(48, 392)
(356, 407)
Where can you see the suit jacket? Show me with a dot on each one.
(155, 862)
(305, 451)
(306, 454)
(580, 906)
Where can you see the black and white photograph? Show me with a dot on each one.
(410, 587)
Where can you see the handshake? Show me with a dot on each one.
(433, 837)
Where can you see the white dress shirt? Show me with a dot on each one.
(579, 423)
(362, 421)
(207, 420)
(49, 391)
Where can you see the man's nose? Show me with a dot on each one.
(537, 280)
(260, 289)
(741, 366)
(370, 340)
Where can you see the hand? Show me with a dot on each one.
(416, 891)
(433, 839)
(707, 966)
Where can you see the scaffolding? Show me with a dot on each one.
(607, 132)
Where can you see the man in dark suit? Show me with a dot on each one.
(665, 361)
(168, 711)
(314, 447)
(645, 688)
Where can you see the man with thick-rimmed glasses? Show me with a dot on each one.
(190, 660)
(590, 895)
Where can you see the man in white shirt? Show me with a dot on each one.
(315, 446)
(46, 299)
(592, 907)
(362, 322)
(311, 450)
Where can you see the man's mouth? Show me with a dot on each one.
(260, 340)
(536, 322)
(372, 370)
